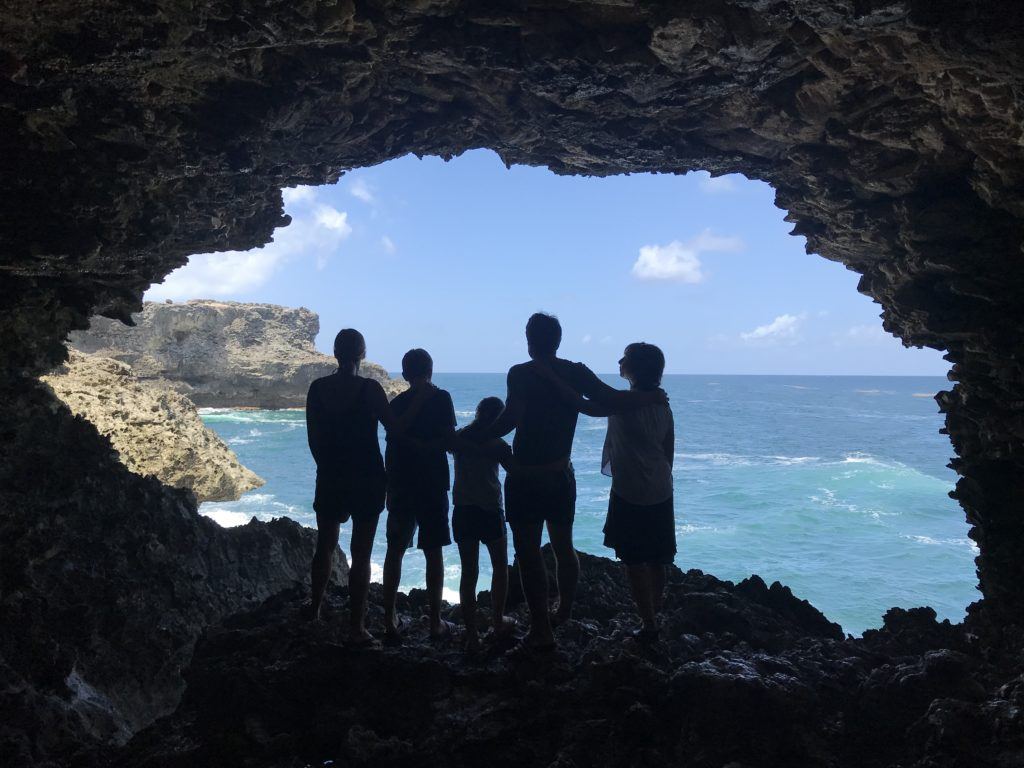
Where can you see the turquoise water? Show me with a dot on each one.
(835, 486)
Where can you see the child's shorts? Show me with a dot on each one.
(476, 524)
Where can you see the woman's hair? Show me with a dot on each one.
(646, 364)
(349, 346)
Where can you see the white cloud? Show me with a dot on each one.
(782, 328)
(715, 185)
(388, 244)
(587, 338)
(211, 275)
(864, 336)
(606, 340)
(681, 261)
(316, 233)
(298, 195)
(331, 218)
(361, 190)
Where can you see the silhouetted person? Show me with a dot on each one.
(545, 425)
(342, 413)
(478, 516)
(639, 449)
(418, 483)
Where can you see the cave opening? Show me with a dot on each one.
(890, 132)
(836, 487)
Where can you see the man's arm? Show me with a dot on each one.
(614, 400)
(513, 412)
(315, 432)
(395, 425)
(669, 445)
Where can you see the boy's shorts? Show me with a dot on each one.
(410, 510)
(471, 524)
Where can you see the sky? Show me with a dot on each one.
(454, 257)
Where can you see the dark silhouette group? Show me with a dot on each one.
(545, 397)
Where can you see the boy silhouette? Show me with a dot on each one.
(417, 488)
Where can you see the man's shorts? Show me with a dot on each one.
(424, 510)
(337, 499)
(472, 524)
(540, 497)
(641, 533)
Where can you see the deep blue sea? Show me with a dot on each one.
(835, 486)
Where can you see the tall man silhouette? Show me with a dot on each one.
(545, 425)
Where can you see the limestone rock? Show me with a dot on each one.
(223, 353)
(155, 431)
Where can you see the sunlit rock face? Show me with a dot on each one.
(223, 353)
(133, 136)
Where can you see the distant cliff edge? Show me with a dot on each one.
(222, 353)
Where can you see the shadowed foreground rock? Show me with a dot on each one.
(106, 580)
(745, 675)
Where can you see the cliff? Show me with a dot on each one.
(222, 353)
(155, 431)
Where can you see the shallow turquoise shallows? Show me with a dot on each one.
(835, 486)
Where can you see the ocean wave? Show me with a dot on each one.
(227, 415)
(923, 394)
(796, 386)
(955, 542)
(738, 460)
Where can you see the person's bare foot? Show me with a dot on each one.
(309, 612)
(443, 628)
(505, 627)
(359, 638)
(395, 628)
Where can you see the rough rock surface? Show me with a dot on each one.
(223, 353)
(132, 136)
(154, 431)
(106, 581)
(744, 675)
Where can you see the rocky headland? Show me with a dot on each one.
(222, 353)
(154, 430)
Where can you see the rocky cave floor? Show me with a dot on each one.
(743, 675)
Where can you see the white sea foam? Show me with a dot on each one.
(923, 394)
(790, 460)
(796, 386)
(225, 517)
(954, 542)
(376, 572)
(868, 391)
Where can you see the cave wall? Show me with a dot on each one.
(133, 135)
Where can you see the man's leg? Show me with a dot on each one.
(320, 572)
(435, 586)
(363, 531)
(526, 537)
(567, 572)
(658, 577)
(498, 550)
(643, 593)
(469, 555)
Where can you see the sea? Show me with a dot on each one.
(835, 486)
